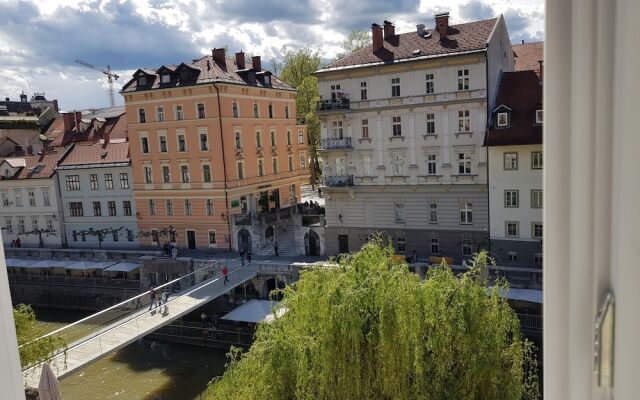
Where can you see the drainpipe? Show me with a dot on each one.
(224, 166)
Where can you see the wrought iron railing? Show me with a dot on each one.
(335, 143)
(334, 104)
(338, 181)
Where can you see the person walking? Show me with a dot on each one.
(165, 299)
(275, 247)
(152, 297)
(225, 272)
(18, 244)
(249, 255)
(242, 256)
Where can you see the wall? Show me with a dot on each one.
(69, 297)
(499, 59)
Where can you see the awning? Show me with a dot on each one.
(50, 264)
(254, 311)
(530, 295)
(84, 265)
(123, 267)
(103, 264)
(15, 263)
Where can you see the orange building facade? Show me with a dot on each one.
(213, 144)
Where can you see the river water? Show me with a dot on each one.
(146, 369)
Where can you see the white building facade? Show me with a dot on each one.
(402, 133)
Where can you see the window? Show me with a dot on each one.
(539, 116)
(503, 119)
(155, 236)
(397, 126)
(212, 237)
(75, 209)
(111, 207)
(289, 138)
(512, 256)
(234, 110)
(290, 163)
(108, 181)
(464, 122)
(395, 87)
(464, 163)
(5, 199)
(240, 167)
(144, 141)
(273, 138)
(172, 236)
(201, 112)
(431, 123)
(466, 212)
(179, 113)
(238, 141)
(365, 128)
(97, 209)
(169, 206)
(401, 245)
(536, 230)
(7, 225)
(34, 223)
(124, 180)
(336, 92)
(270, 110)
(337, 129)
(256, 110)
(536, 198)
(163, 143)
(432, 162)
(126, 207)
(435, 245)
(142, 116)
(536, 160)
(21, 225)
(152, 207)
(209, 204)
(286, 111)
(166, 174)
(115, 236)
(184, 173)
(165, 78)
(303, 161)
(45, 197)
(537, 258)
(433, 212)
(50, 225)
(182, 143)
(142, 81)
(148, 177)
(511, 198)
(31, 195)
(204, 142)
(160, 114)
(206, 173)
(463, 79)
(397, 163)
(93, 181)
(510, 160)
(399, 212)
(130, 235)
(430, 88)
(467, 247)
(18, 195)
(363, 90)
(260, 167)
(511, 229)
(300, 137)
(187, 207)
(73, 182)
(274, 165)
(366, 166)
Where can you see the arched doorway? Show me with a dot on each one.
(268, 233)
(273, 284)
(244, 240)
(311, 244)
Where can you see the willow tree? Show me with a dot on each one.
(370, 329)
(28, 329)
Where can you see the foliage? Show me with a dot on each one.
(298, 63)
(354, 42)
(28, 330)
(370, 329)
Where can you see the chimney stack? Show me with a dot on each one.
(389, 30)
(240, 60)
(257, 66)
(442, 24)
(219, 56)
(376, 34)
(68, 121)
(420, 30)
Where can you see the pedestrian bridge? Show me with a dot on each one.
(115, 327)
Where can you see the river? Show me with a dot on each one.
(146, 369)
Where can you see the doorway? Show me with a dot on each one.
(312, 244)
(343, 244)
(244, 240)
(191, 239)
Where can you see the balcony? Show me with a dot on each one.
(333, 104)
(335, 144)
(242, 219)
(338, 181)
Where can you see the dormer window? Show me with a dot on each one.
(142, 80)
(185, 75)
(503, 119)
(165, 78)
(267, 80)
(539, 116)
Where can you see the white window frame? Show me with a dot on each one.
(536, 160)
(430, 84)
(204, 173)
(539, 116)
(396, 126)
(151, 205)
(512, 256)
(235, 109)
(238, 140)
(502, 119)
(142, 115)
(188, 207)
(184, 136)
(511, 198)
(466, 213)
(160, 114)
(432, 164)
(178, 112)
(240, 170)
(464, 120)
(209, 207)
(464, 82)
(363, 91)
(148, 174)
(166, 173)
(433, 212)
(168, 207)
(184, 173)
(161, 142)
(256, 110)
(535, 225)
(204, 110)
(215, 239)
(337, 130)
(510, 161)
(434, 243)
(395, 87)
(430, 123)
(397, 165)
(206, 141)
(467, 248)
(300, 137)
(465, 160)
(512, 229)
(143, 140)
(401, 244)
(260, 165)
(537, 198)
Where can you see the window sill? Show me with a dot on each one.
(428, 135)
(364, 140)
(391, 138)
(470, 133)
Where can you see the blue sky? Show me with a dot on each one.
(39, 40)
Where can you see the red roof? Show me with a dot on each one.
(460, 38)
(96, 129)
(520, 91)
(97, 153)
(39, 167)
(527, 56)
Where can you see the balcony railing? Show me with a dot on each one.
(313, 220)
(530, 321)
(242, 219)
(338, 181)
(335, 143)
(333, 104)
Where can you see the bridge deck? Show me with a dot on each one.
(120, 334)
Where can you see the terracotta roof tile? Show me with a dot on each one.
(111, 121)
(527, 56)
(38, 167)
(97, 153)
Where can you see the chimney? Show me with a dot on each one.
(442, 24)
(7, 99)
(68, 120)
(420, 30)
(23, 98)
(522, 41)
(55, 105)
(376, 34)
(389, 30)
(240, 60)
(257, 66)
(219, 56)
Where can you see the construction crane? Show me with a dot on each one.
(110, 77)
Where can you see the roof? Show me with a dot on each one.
(530, 295)
(527, 56)
(93, 126)
(521, 91)
(206, 70)
(38, 166)
(109, 112)
(460, 38)
(254, 311)
(97, 153)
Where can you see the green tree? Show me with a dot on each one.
(354, 42)
(370, 329)
(28, 329)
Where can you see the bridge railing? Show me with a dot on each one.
(133, 309)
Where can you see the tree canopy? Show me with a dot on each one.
(28, 329)
(369, 329)
(354, 42)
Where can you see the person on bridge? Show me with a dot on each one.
(152, 298)
(225, 272)
(242, 255)
(249, 255)
(275, 247)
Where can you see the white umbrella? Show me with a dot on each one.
(49, 387)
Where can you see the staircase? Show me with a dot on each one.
(286, 241)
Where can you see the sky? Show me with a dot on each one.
(39, 40)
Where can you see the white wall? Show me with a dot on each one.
(499, 59)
